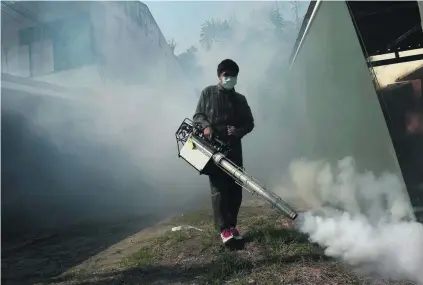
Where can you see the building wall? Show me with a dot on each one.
(343, 113)
(22, 15)
(115, 42)
(129, 42)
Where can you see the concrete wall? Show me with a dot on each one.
(25, 14)
(128, 38)
(128, 45)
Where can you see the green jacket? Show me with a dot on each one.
(224, 108)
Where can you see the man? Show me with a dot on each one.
(223, 112)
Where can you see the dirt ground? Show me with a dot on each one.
(274, 253)
(37, 259)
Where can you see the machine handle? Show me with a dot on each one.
(214, 134)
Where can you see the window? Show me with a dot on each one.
(70, 42)
(38, 48)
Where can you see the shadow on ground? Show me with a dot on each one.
(43, 258)
(176, 274)
(226, 265)
(198, 258)
(44, 189)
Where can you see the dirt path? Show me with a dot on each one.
(274, 253)
(38, 259)
(131, 252)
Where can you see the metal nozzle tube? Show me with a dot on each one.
(251, 185)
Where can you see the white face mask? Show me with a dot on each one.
(228, 82)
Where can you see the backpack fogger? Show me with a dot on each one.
(200, 152)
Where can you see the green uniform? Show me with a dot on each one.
(224, 108)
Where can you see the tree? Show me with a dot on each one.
(172, 44)
(214, 31)
(188, 62)
(276, 19)
(295, 8)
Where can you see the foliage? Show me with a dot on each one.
(268, 24)
(172, 44)
(276, 19)
(214, 30)
(188, 61)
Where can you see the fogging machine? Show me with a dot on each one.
(200, 152)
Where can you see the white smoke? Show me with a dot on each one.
(363, 220)
(388, 250)
(320, 185)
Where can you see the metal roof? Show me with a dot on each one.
(387, 26)
(382, 27)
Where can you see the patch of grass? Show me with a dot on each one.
(199, 217)
(170, 246)
(144, 257)
(208, 239)
(228, 265)
(71, 274)
(172, 238)
(282, 244)
(275, 253)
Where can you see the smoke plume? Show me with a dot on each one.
(363, 220)
(389, 250)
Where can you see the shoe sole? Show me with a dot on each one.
(234, 244)
(225, 240)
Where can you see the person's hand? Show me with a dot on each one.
(231, 130)
(207, 132)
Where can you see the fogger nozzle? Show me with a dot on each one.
(252, 186)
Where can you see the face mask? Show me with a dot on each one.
(228, 82)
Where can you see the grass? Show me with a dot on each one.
(275, 254)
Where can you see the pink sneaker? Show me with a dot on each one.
(226, 236)
(236, 234)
